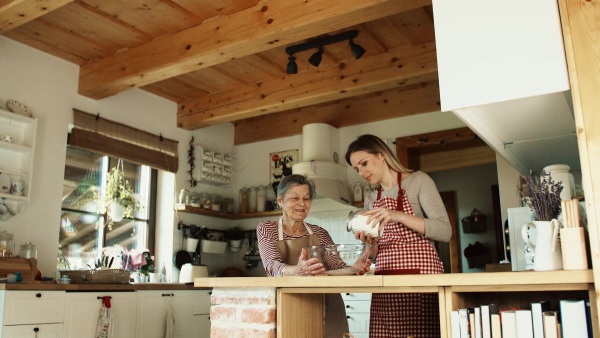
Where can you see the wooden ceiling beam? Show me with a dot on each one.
(368, 75)
(423, 98)
(14, 13)
(269, 24)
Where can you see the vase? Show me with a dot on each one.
(235, 244)
(548, 254)
(117, 211)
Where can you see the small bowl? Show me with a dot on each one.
(339, 259)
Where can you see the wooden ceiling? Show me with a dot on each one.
(225, 60)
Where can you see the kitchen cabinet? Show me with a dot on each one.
(17, 155)
(82, 310)
(33, 331)
(31, 312)
(220, 214)
(512, 92)
(358, 309)
(189, 308)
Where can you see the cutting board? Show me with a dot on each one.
(27, 267)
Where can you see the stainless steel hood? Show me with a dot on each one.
(320, 144)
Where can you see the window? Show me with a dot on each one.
(84, 226)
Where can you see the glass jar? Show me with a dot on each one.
(358, 192)
(252, 192)
(261, 198)
(358, 223)
(243, 201)
(7, 247)
(28, 250)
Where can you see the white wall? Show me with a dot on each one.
(48, 86)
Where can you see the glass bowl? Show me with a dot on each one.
(340, 259)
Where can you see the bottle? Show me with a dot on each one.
(261, 198)
(252, 199)
(28, 250)
(358, 191)
(366, 190)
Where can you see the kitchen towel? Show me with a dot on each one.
(105, 320)
(170, 327)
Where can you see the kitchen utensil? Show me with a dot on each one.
(182, 257)
(548, 255)
(189, 272)
(340, 259)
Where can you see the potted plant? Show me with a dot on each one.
(119, 197)
(235, 236)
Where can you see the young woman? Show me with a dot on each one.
(411, 215)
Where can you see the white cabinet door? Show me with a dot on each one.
(189, 308)
(33, 307)
(495, 51)
(33, 331)
(83, 308)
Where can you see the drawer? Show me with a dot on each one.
(358, 322)
(34, 307)
(357, 306)
(33, 331)
(356, 296)
(360, 334)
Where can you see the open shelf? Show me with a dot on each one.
(221, 214)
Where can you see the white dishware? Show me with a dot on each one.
(6, 138)
(548, 255)
(18, 108)
(17, 188)
(5, 184)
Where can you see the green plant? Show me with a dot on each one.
(234, 233)
(544, 196)
(119, 190)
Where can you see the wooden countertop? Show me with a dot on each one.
(559, 279)
(33, 286)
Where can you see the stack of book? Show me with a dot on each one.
(567, 319)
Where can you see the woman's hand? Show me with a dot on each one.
(309, 267)
(363, 264)
(380, 216)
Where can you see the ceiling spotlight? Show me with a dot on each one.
(316, 58)
(292, 67)
(357, 50)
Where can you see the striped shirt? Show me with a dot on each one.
(268, 237)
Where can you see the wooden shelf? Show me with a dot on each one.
(221, 214)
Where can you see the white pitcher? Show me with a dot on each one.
(548, 255)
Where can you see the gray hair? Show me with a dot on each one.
(293, 180)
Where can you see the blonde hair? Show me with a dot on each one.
(374, 145)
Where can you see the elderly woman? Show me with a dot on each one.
(282, 246)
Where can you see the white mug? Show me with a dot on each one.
(16, 188)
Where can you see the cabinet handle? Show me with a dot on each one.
(348, 306)
(347, 294)
(100, 297)
(38, 295)
(209, 293)
(348, 317)
(168, 295)
(36, 329)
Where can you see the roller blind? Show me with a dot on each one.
(100, 135)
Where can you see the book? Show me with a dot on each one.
(496, 326)
(477, 312)
(550, 321)
(537, 308)
(573, 318)
(455, 324)
(508, 321)
(524, 323)
(463, 320)
(486, 315)
(471, 322)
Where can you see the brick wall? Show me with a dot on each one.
(243, 313)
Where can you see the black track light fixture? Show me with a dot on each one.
(292, 67)
(315, 59)
(357, 50)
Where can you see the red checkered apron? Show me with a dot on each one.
(404, 251)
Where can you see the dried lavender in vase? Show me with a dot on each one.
(544, 195)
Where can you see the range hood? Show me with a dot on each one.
(320, 144)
